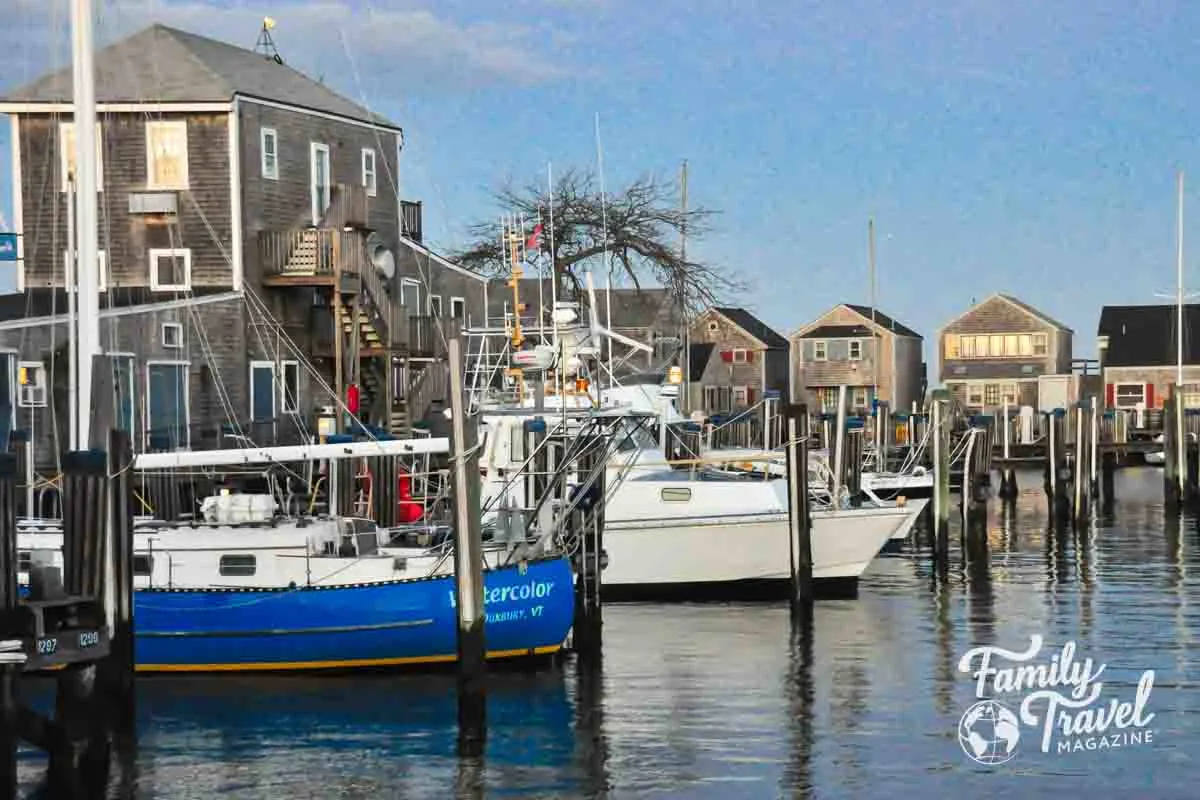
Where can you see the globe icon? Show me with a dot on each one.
(989, 733)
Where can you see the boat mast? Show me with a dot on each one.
(874, 339)
(86, 226)
(682, 289)
(1180, 441)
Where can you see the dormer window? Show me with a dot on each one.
(855, 350)
(820, 352)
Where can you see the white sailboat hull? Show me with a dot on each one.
(721, 551)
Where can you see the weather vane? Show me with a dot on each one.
(266, 43)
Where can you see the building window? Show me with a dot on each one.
(458, 308)
(820, 353)
(435, 305)
(269, 144)
(72, 279)
(171, 270)
(1009, 393)
(952, 346)
(66, 155)
(237, 566)
(123, 389)
(991, 395)
(859, 397)
(368, 172)
(1129, 395)
(828, 398)
(966, 346)
(740, 395)
(1039, 344)
(31, 377)
(166, 154)
(410, 295)
(172, 335)
(855, 350)
(274, 389)
(1025, 345)
(739, 355)
(713, 326)
(319, 180)
(167, 405)
(974, 395)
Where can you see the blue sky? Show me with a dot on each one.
(1024, 146)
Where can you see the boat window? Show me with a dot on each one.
(237, 566)
(676, 494)
(24, 560)
(143, 564)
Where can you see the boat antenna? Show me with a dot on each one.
(265, 45)
(604, 228)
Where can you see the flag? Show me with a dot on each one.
(534, 240)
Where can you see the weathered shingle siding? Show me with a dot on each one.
(217, 344)
(285, 203)
(999, 316)
(909, 363)
(203, 223)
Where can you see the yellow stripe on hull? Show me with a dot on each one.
(351, 664)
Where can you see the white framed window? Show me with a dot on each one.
(166, 154)
(1039, 344)
(858, 398)
(740, 396)
(435, 305)
(167, 411)
(102, 257)
(739, 355)
(410, 295)
(171, 269)
(369, 181)
(1129, 395)
(269, 148)
(1009, 392)
(855, 350)
(31, 378)
(66, 155)
(820, 351)
(319, 180)
(172, 335)
(274, 389)
(458, 308)
(975, 395)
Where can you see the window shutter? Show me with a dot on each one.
(1110, 395)
(727, 356)
(1149, 395)
(749, 356)
(749, 395)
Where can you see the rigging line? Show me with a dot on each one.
(277, 376)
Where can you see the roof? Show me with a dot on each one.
(160, 64)
(883, 320)
(1031, 310)
(699, 355)
(838, 332)
(753, 326)
(1144, 336)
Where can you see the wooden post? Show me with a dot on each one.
(799, 521)
(116, 672)
(940, 434)
(1082, 471)
(853, 463)
(839, 447)
(1171, 474)
(1094, 441)
(468, 565)
(8, 604)
(965, 495)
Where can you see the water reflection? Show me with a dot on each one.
(857, 698)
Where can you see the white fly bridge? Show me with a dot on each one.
(291, 454)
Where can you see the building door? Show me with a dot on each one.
(319, 182)
(166, 405)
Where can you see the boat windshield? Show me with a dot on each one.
(632, 436)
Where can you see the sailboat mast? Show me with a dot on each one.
(874, 339)
(1179, 287)
(683, 311)
(86, 223)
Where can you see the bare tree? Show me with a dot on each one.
(644, 225)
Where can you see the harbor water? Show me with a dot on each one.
(865, 700)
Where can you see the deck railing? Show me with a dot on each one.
(307, 251)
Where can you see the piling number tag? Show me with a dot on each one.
(47, 647)
(89, 639)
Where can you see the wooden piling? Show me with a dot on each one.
(799, 521)
(1094, 444)
(468, 565)
(852, 464)
(1008, 475)
(940, 434)
(1171, 467)
(1082, 470)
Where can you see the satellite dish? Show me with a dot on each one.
(382, 257)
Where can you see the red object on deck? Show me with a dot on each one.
(1110, 395)
(1150, 395)
(352, 399)
(407, 509)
